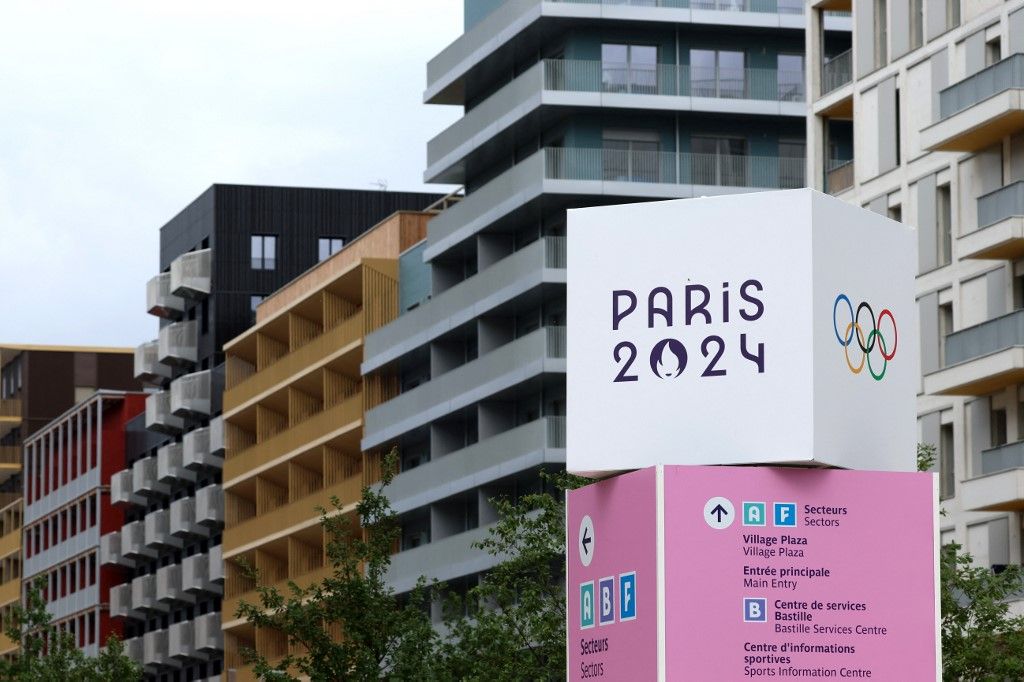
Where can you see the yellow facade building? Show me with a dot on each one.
(293, 415)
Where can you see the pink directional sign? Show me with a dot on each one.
(767, 573)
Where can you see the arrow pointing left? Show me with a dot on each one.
(587, 541)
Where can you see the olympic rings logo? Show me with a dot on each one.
(854, 331)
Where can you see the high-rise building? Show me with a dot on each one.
(219, 257)
(566, 104)
(68, 465)
(293, 418)
(931, 104)
(38, 383)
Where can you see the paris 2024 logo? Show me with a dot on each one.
(861, 330)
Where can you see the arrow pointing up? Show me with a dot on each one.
(586, 541)
(719, 511)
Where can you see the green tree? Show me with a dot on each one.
(49, 655)
(350, 625)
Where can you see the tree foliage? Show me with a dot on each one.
(49, 655)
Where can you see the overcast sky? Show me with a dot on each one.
(115, 115)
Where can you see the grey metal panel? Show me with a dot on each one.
(940, 79)
(887, 152)
(445, 559)
(1009, 456)
(864, 35)
(974, 53)
(537, 263)
(999, 541)
(930, 424)
(981, 437)
(986, 338)
(879, 205)
(1016, 31)
(928, 314)
(527, 357)
(927, 246)
(935, 18)
(995, 283)
(899, 27)
(515, 450)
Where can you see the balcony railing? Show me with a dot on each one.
(1003, 457)
(672, 79)
(837, 72)
(159, 416)
(190, 394)
(1003, 75)
(10, 407)
(177, 343)
(190, 274)
(159, 299)
(148, 367)
(767, 6)
(985, 338)
(1005, 202)
(839, 177)
(725, 170)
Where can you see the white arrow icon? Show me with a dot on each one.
(587, 541)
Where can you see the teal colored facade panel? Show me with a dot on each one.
(413, 278)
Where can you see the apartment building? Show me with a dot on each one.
(37, 384)
(293, 418)
(68, 465)
(219, 258)
(931, 102)
(566, 104)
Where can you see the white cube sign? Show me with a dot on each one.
(776, 327)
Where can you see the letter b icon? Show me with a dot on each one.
(755, 610)
(606, 592)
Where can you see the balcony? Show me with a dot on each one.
(216, 565)
(616, 175)
(158, 414)
(168, 585)
(452, 557)
(144, 478)
(579, 83)
(110, 550)
(190, 274)
(190, 394)
(133, 541)
(199, 447)
(837, 72)
(530, 445)
(492, 39)
(158, 530)
(148, 367)
(122, 490)
(528, 356)
(540, 262)
(195, 574)
(839, 177)
(1000, 234)
(183, 519)
(10, 415)
(181, 640)
(1000, 487)
(144, 594)
(169, 466)
(154, 648)
(208, 635)
(120, 601)
(980, 110)
(133, 649)
(981, 359)
(210, 506)
(341, 418)
(278, 522)
(160, 301)
(177, 344)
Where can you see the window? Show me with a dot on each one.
(881, 33)
(264, 252)
(254, 301)
(947, 475)
(916, 23)
(718, 73)
(993, 51)
(945, 329)
(631, 156)
(952, 13)
(791, 77)
(720, 161)
(998, 427)
(629, 68)
(944, 225)
(896, 123)
(328, 246)
(896, 213)
(792, 162)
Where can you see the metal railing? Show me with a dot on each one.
(985, 338)
(1001, 204)
(722, 170)
(837, 71)
(839, 177)
(1003, 75)
(576, 75)
(1002, 458)
(554, 252)
(764, 6)
(556, 431)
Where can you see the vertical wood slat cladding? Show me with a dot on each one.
(237, 370)
(238, 509)
(302, 481)
(380, 298)
(336, 310)
(269, 496)
(237, 439)
(303, 558)
(301, 406)
(269, 423)
(301, 331)
(338, 387)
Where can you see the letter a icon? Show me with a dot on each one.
(753, 513)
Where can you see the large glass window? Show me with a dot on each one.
(791, 77)
(629, 68)
(718, 73)
(719, 161)
(792, 163)
(264, 252)
(631, 156)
